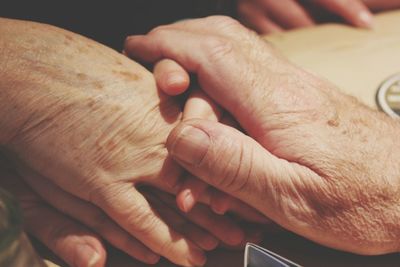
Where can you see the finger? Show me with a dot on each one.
(198, 235)
(354, 12)
(198, 106)
(191, 191)
(75, 244)
(171, 78)
(286, 13)
(254, 18)
(133, 213)
(72, 242)
(232, 205)
(220, 202)
(208, 58)
(224, 228)
(201, 106)
(193, 36)
(381, 5)
(249, 172)
(89, 215)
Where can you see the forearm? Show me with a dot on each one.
(26, 54)
(46, 71)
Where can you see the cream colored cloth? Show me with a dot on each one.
(356, 60)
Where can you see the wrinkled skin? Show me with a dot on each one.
(74, 243)
(92, 122)
(316, 161)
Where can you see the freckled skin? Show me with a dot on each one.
(91, 114)
(127, 75)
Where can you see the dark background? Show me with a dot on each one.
(109, 22)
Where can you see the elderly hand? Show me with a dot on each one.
(266, 16)
(74, 243)
(78, 241)
(316, 161)
(92, 123)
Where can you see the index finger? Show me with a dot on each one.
(131, 211)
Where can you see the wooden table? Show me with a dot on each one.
(358, 61)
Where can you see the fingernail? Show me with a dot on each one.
(191, 145)
(366, 19)
(174, 79)
(197, 258)
(86, 256)
(189, 201)
(218, 209)
(210, 243)
(152, 258)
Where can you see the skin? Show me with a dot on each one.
(315, 161)
(382, 5)
(89, 125)
(74, 229)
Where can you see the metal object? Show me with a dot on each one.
(388, 96)
(256, 256)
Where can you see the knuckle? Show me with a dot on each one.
(143, 220)
(218, 48)
(159, 31)
(166, 248)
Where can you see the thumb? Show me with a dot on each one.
(234, 163)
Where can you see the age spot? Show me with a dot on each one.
(98, 85)
(333, 122)
(81, 76)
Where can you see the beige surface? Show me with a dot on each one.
(357, 61)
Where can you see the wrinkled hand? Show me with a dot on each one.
(266, 16)
(92, 122)
(172, 79)
(316, 161)
(71, 239)
(74, 243)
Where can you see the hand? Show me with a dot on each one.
(316, 161)
(266, 16)
(72, 242)
(172, 79)
(91, 122)
(381, 5)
